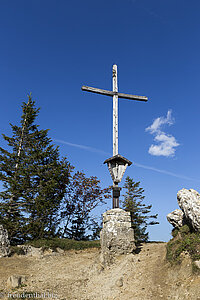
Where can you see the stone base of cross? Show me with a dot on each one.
(117, 164)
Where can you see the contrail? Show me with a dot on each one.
(165, 172)
(91, 149)
(87, 148)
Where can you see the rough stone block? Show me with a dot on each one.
(117, 235)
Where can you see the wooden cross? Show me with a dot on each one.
(114, 93)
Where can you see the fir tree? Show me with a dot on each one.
(133, 202)
(34, 180)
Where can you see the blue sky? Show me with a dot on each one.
(51, 48)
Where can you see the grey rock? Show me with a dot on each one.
(117, 236)
(176, 218)
(59, 250)
(189, 202)
(197, 263)
(4, 242)
(15, 281)
(119, 282)
(39, 252)
(31, 251)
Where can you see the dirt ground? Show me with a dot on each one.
(79, 275)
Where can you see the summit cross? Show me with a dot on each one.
(115, 94)
(117, 164)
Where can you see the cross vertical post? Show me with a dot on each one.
(115, 111)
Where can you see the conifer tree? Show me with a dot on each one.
(133, 202)
(34, 180)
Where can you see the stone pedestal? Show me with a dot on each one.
(4, 242)
(117, 236)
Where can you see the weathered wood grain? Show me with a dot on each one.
(111, 93)
(115, 111)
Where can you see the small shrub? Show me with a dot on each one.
(175, 232)
(16, 250)
(173, 251)
(185, 229)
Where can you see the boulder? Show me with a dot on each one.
(4, 242)
(60, 251)
(189, 202)
(117, 235)
(16, 281)
(176, 218)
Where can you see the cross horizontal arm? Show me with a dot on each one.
(132, 97)
(110, 93)
(97, 91)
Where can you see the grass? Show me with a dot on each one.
(53, 243)
(183, 240)
(65, 244)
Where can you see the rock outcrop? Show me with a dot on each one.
(189, 203)
(117, 235)
(176, 218)
(4, 242)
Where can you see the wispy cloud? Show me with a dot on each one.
(167, 142)
(87, 148)
(157, 123)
